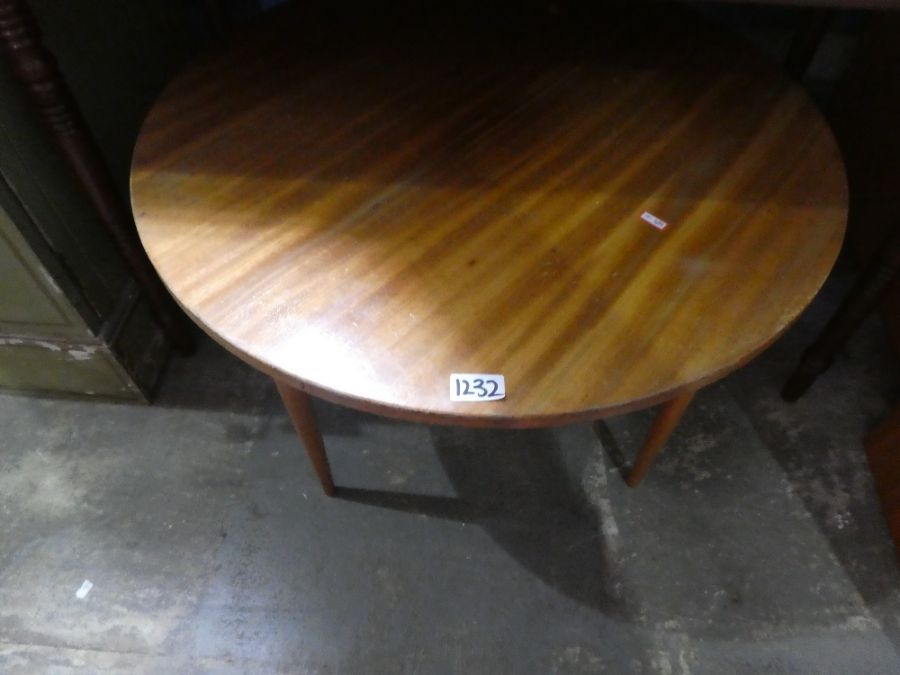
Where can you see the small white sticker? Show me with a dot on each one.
(477, 387)
(658, 223)
(85, 588)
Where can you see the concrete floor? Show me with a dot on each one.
(755, 545)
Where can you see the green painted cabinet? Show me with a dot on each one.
(72, 321)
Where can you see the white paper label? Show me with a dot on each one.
(658, 223)
(84, 589)
(477, 387)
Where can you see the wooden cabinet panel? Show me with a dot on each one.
(31, 303)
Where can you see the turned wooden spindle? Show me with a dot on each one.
(36, 68)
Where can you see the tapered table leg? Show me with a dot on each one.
(299, 407)
(665, 422)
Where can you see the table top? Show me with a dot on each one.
(364, 221)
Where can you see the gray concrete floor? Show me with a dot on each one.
(755, 545)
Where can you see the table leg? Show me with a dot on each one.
(665, 422)
(299, 407)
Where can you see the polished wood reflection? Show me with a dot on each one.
(363, 221)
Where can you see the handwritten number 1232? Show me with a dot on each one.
(477, 387)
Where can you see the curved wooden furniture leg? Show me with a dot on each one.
(299, 407)
(864, 297)
(883, 451)
(665, 422)
(35, 67)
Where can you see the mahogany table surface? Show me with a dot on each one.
(363, 221)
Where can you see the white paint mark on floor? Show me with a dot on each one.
(84, 589)
(682, 662)
(596, 488)
(579, 659)
(661, 664)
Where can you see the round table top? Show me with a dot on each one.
(364, 219)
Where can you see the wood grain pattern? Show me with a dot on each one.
(363, 220)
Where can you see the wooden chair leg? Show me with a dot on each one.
(299, 407)
(873, 284)
(883, 451)
(665, 422)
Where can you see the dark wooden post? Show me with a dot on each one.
(36, 68)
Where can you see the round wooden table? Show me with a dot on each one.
(610, 214)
